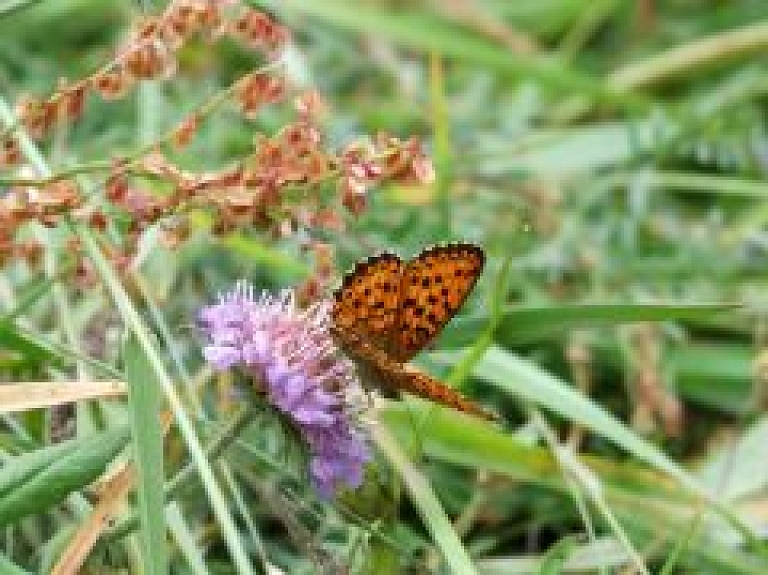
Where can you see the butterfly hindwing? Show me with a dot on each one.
(435, 285)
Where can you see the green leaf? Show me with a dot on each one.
(474, 443)
(534, 323)
(148, 448)
(33, 482)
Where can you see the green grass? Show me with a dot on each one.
(614, 171)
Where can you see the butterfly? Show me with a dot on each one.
(387, 310)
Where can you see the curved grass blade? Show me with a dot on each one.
(132, 318)
(19, 351)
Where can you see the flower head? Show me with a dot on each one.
(291, 351)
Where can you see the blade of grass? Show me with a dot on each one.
(34, 481)
(425, 500)
(169, 341)
(525, 380)
(690, 182)
(135, 323)
(532, 323)
(148, 454)
(675, 557)
(32, 293)
(737, 470)
(36, 395)
(691, 56)
(604, 553)
(184, 539)
(13, 5)
(554, 559)
(237, 494)
(56, 349)
(591, 485)
(428, 33)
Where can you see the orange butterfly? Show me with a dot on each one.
(387, 310)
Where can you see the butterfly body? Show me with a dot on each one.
(388, 310)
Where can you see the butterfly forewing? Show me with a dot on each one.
(435, 285)
(368, 301)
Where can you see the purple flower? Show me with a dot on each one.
(292, 353)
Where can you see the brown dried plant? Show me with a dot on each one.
(290, 180)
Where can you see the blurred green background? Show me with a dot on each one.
(609, 155)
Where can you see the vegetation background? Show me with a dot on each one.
(609, 155)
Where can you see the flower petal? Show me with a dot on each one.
(222, 357)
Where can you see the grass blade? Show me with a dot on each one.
(148, 450)
(533, 323)
(428, 505)
(428, 33)
(38, 394)
(35, 481)
(525, 380)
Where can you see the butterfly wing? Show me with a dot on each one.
(368, 301)
(434, 287)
